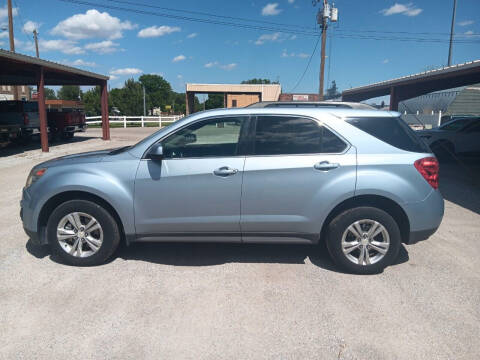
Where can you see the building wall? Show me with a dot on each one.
(299, 97)
(6, 92)
(242, 100)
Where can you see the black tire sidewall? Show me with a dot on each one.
(111, 234)
(338, 226)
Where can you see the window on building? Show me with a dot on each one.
(277, 135)
(234, 103)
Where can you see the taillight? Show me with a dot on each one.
(26, 120)
(429, 168)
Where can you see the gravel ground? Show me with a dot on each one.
(212, 301)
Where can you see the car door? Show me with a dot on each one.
(193, 193)
(297, 171)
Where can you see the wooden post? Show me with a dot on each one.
(42, 111)
(394, 98)
(104, 107)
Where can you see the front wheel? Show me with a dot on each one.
(363, 240)
(82, 233)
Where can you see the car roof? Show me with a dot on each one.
(311, 104)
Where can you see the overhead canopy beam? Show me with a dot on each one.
(419, 84)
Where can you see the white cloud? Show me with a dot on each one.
(126, 71)
(466, 22)
(404, 9)
(179, 76)
(226, 67)
(291, 1)
(4, 35)
(4, 12)
(469, 32)
(192, 35)
(113, 77)
(385, 61)
(179, 58)
(286, 54)
(29, 26)
(211, 64)
(102, 47)
(92, 24)
(271, 9)
(78, 62)
(156, 31)
(65, 46)
(275, 37)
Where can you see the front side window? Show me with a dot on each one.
(277, 135)
(209, 138)
(455, 125)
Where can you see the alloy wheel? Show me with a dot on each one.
(365, 242)
(79, 234)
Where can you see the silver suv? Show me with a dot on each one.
(362, 181)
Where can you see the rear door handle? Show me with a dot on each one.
(225, 171)
(325, 166)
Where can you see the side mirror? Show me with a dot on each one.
(156, 152)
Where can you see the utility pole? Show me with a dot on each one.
(12, 41)
(35, 33)
(452, 30)
(326, 14)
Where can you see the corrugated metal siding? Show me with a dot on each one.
(467, 102)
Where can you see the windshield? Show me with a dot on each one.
(455, 125)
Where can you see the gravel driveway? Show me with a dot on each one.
(217, 301)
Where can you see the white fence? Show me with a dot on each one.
(126, 120)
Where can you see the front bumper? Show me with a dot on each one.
(29, 225)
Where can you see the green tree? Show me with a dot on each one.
(91, 99)
(332, 92)
(214, 101)
(50, 94)
(158, 91)
(129, 99)
(70, 92)
(259, 81)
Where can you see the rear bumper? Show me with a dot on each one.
(76, 128)
(425, 217)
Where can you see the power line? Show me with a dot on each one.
(308, 64)
(258, 27)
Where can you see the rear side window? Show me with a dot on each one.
(276, 135)
(393, 131)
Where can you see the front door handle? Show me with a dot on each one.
(325, 166)
(225, 171)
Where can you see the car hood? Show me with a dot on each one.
(81, 158)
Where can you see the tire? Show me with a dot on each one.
(68, 135)
(339, 229)
(96, 246)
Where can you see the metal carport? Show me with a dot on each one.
(18, 69)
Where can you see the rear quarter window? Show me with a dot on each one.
(392, 130)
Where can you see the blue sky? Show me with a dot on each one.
(125, 44)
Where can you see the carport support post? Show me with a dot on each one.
(189, 102)
(104, 108)
(42, 111)
(394, 98)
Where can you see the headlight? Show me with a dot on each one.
(34, 175)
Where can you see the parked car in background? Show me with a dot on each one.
(459, 136)
(361, 181)
(19, 120)
(65, 118)
(312, 104)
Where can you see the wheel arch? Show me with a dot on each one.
(65, 196)
(381, 202)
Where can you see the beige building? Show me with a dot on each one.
(235, 95)
(6, 92)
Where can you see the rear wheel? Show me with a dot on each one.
(82, 233)
(363, 240)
